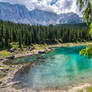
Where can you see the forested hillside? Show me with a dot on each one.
(27, 35)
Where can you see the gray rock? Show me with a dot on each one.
(3, 74)
(19, 50)
(3, 85)
(4, 70)
(0, 82)
(30, 48)
(1, 59)
(12, 50)
(42, 52)
(10, 57)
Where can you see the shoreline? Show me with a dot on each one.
(71, 44)
(10, 88)
(49, 48)
(7, 81)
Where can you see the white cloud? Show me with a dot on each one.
(57, 6)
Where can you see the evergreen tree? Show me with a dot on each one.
(27, 35)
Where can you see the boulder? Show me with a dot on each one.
(10, 57)
(3, 75)
(12, 50)
(0, 82)
(41, 52)
(4, 70)
(30, 48)
(19, 50)
(1, 59)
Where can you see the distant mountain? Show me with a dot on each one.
(70, 18)
(15, 13)
(20, 14)
(43, 17)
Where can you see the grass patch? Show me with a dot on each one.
(7, 67)
(4, 53)
(14, 45)
(39, 47)
(88, 89)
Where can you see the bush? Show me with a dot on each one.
(87, 51)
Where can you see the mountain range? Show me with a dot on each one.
(20, 14)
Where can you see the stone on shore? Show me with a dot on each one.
(41, 51)
(10, 57)
(19, 50)
(1, 59)
(12, 50)
(30, 48)
(4, 69)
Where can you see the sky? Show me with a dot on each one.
(57, 6)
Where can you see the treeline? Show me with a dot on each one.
(37, 34)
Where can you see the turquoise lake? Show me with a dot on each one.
(61, 68)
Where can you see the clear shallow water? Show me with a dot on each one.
(62, 68)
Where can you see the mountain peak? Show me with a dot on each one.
(20, 14)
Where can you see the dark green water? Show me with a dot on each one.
(62, 68)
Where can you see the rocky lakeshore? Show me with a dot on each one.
(9, 71)
(17, 53)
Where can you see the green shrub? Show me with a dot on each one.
(87, 51)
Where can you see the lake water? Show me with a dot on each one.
(62, 68)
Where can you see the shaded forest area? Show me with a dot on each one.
(37, 34)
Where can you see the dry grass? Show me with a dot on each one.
(4, 53)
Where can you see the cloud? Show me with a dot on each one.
(57, 6)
